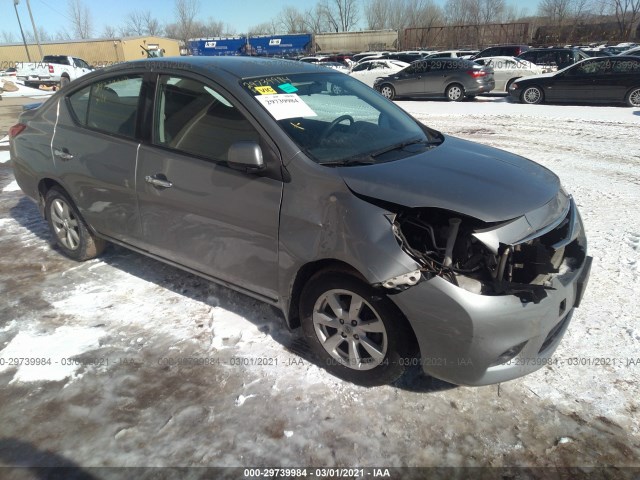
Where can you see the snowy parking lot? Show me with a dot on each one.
(124, 361)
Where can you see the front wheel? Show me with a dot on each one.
(387, 91)
(357, 333)
(633, 98)
(69, 229)
(532, 95)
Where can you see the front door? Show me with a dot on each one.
(195, 209)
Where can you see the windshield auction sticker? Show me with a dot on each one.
(287, 105)
(266, 90)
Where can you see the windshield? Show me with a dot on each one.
(336, 119)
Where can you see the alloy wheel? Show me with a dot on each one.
(65, 224)
(350, 329)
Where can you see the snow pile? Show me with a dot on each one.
(48, 357)
(22, 91)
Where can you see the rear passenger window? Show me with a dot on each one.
(110, 106)
(192, 117)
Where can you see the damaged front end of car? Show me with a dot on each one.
(503, 258)
(497, 295)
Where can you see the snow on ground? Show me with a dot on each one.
(23, 91)
(167, 369)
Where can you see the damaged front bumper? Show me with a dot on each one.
(470, 338)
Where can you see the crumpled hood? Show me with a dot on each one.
(465, 177)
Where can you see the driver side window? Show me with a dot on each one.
(193, 118)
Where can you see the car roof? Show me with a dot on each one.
(235, 66)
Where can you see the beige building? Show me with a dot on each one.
(98, 52)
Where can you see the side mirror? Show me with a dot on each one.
(245, 156)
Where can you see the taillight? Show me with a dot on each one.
(477, 73)
(16, 130)
(50, 68)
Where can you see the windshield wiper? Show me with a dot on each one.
(370, 158)
(361, 160)
(399, 146)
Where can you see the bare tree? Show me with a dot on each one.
(341, 15)
(556, 11)
(627, 12)
(151, 24)
(7, 37)
(134, 23)
(265, 28)
(186, 12)
(401, 14)
(80, 16)
(109, 32)
(141, 22)
(315, 20)
(292, 20)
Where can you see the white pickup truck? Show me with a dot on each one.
(53, 70)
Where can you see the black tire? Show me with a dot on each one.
(532, 95)
(69, 229)
(64, 81)
(454, 92)
(387, 91)
(633, 97)
(376, 326)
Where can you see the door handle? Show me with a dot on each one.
(63, 154)
(158, 182)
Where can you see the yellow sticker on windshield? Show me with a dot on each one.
(265, 90)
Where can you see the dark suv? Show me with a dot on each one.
(554, 58)
(502, 51)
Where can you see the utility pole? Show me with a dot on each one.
(35, 30)
(15, 6)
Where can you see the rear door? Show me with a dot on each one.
(439, 74)
(94, 149)
(622, 74)
(410, 81)
(195, 209)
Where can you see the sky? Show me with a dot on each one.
(240, 14)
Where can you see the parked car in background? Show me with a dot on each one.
(632, 51)
(359, 56)
(553, 59)
(368, 71)
(453, 54)
(502, 51)
(596, 52)
(314, 59)
(335, 65)
(508, 69)
(406, 57)
(53, 70)
(9, 72)
(389, 243)
(452, 78)
(595, 80)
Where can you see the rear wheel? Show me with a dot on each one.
(69, 229)
(387, 91)
(64, 81)
(532, 95)
(633, 98)
(454, 92)
(358, 334)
